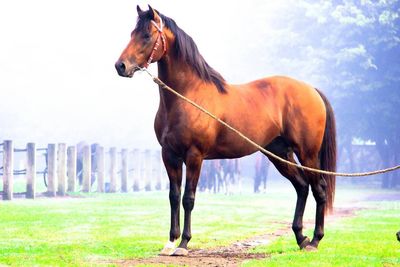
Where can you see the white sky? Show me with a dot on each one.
(57, 76)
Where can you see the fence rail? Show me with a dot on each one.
(68, 167)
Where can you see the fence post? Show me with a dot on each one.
(101, 165)
(142, 177)
(86, 169)
(124, 170)
(148, 170)
(30, 170)
(113, 170)
(8, 170)
(136, 169)
(51, 170)
(71, 168)
(61, 168)
(157, 169)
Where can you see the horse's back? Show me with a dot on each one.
(288, 88)
(282, 97)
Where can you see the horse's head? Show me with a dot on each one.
(147, 44)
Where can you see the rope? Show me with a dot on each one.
(357, 174)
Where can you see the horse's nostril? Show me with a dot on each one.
(120, 66)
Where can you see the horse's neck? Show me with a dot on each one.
(177, 75)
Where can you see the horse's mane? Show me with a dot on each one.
(186, 50)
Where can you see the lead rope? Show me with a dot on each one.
(356, 174)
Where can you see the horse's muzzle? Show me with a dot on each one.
(121, 69)
(126, 69)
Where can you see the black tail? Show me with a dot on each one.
(328, 154)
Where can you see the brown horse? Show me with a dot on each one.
(283, 115)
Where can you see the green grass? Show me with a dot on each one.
(83, 230)
(89, 229)
(365, 240)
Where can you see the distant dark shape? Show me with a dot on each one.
(398, 236)
(261, 173)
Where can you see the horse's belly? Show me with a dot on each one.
(230, 145)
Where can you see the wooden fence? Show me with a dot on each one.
(112, 171)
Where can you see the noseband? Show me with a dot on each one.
(157, 43)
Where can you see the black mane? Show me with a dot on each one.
(186, 50)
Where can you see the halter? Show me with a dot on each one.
(157, 43)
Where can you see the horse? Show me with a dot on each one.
(285, 116)
(215, 176)
(229, 174)
(260, 173)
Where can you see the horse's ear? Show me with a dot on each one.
(139, 10)
(154, 15)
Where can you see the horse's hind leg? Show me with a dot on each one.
(318, 187)
(295, 176)
(320, 197)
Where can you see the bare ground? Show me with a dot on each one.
(232, 255)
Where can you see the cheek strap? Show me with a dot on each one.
(157, 43)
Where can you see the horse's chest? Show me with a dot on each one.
(172, 138)
(179, 133)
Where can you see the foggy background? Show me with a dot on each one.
(58, 82)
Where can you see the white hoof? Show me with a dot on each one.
(180, 252)
(168, 250)
(310, 248)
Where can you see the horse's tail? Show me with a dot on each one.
(327, 154)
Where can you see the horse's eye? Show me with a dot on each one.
(146, 36)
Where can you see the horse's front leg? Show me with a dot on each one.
(173, 165)
(193, 166)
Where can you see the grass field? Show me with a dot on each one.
(366, 240)
(86, 229)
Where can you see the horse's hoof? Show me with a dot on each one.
(306, 242)
(180, 252)
(166, 252)
(310, 248)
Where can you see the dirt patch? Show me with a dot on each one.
(232, 255)
(195, 259)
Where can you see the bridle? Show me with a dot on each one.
(157, 43)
